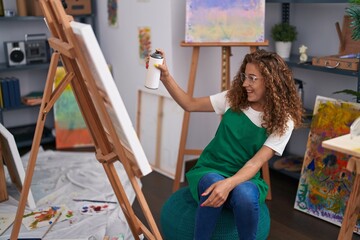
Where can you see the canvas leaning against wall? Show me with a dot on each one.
(225, 21)
(325, 184)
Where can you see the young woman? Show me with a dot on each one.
(259, 113)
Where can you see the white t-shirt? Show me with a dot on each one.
(275, 142)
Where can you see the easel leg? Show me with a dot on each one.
(225, 67)
(3, 190)
(120, 192)
(185, 124)
(35, 147)
(352, 211)
(266, 177)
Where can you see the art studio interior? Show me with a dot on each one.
(108, 109)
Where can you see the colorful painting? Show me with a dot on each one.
(225, 21)
(112, 6)
(44, 217)
(144, 43)
(325, 184)
(70, 128)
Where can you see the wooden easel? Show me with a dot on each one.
(3, 191)
(109, 149)
(225, 84)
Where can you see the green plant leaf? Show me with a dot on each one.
(284, 32)
(349, 92)
(354, 12)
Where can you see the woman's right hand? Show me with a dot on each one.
(162, 67)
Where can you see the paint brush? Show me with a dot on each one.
(94, 201)
(55, 221)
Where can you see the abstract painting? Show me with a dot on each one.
(325, 184)
(112, 6)
(144, 34)
(70, 128)
(225, 21)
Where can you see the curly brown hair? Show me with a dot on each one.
(281, 98)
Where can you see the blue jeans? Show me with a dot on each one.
(244, 202)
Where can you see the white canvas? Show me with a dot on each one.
(11, 153)
(106, 85)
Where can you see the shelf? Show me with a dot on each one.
(38, 18)
(294, 61)
(22, 106)
(307, 1)
(5, 68)
(294, 162)
(24, 135)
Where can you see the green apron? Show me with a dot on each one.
(236, 141)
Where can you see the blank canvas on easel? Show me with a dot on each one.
(109, 92)
(225, 21)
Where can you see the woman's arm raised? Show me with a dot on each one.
(187, 102)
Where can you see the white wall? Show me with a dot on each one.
(120, 44)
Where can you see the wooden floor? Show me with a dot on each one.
(286, 222)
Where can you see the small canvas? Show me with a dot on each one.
(106, 86)
(325, 184)
(13, 162)
(225, 21)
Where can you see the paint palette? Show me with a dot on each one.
(93, 209)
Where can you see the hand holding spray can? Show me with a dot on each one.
(153, 74)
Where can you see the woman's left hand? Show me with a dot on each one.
(219, 192)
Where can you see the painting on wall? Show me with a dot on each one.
(112, 6)
(144, 35)
(325, 184)
(70, 128)
(225, 21)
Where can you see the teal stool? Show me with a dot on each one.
(178, 219)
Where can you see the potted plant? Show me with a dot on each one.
(353, 11)
(283, 34)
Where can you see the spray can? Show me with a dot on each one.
(153, 74)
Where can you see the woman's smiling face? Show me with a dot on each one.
(254, 84)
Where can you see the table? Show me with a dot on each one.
(346, 144)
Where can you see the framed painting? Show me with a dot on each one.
(225, 21)
(109, 92)
(11, 157)
(325, 184)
